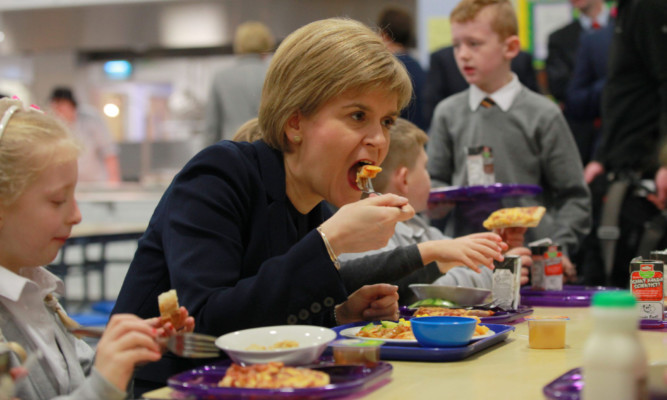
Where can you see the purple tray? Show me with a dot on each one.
(565, 387)
(500, 317)
(472, 193)
(415, 352)
(651, 324)
(569, 385)
(570, 296)
(654, 323)
(202, 383)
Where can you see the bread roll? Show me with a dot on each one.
(169, 308)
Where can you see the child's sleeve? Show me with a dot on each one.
(95, 386)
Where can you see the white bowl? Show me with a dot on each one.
(312, 342)
(463, 296)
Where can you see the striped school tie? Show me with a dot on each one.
(487, 102)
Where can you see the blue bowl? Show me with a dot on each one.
(443, 331)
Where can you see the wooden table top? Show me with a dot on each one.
(509, 370)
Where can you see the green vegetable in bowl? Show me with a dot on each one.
(434, 303)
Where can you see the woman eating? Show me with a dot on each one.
(242, 232)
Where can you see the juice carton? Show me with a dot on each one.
(547, 270)
(646, 283)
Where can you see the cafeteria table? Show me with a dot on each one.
(509, 370)
(86, 236)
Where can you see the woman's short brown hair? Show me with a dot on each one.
(320, 61)
(504, 21)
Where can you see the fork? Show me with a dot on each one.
(188, 345)
(191, 345)
(366, 186)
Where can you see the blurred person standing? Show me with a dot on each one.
(99, 159)
(560, 64)
(634, 115)
(397, 29)
(584, 97)
(236, 90)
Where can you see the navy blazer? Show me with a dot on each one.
(562, 46)
(414, 112)
(444, 78)
(584, 92)
(227, 238)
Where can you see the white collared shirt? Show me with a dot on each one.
(503, 97)
(23, 295)
(602, 19)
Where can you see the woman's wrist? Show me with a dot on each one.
(330, 250)
(339, 315)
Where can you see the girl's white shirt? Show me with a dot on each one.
(23, 295)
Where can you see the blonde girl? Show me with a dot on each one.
(38, 173)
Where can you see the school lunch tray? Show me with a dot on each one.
(202, 383)
(482, 192)
(570, 296)
(654, 324)
(566, 387)
(500, 317)
(415, 352)
(569, 386)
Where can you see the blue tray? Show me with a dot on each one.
(500, 317)
(415, 352)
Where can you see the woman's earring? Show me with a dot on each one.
(297, 139)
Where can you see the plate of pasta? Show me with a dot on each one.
(399, 332)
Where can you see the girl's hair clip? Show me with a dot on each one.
(36, 108)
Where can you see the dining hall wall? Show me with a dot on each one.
(55, 37)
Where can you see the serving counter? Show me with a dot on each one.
(509, 370)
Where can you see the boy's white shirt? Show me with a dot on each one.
(602, 19)
(504, 97)
(23, 295)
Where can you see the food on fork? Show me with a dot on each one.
(368, 171)
(364, 176)
(273, 375)
(515, 217)
(169, 308)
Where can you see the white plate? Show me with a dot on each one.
(312, 342)
(352, 332)
(486, 335)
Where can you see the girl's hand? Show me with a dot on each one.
(127, 341)
(165, 329)
(366, 224)
(369, 303)
(472, 251)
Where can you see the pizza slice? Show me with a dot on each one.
(524, 217)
